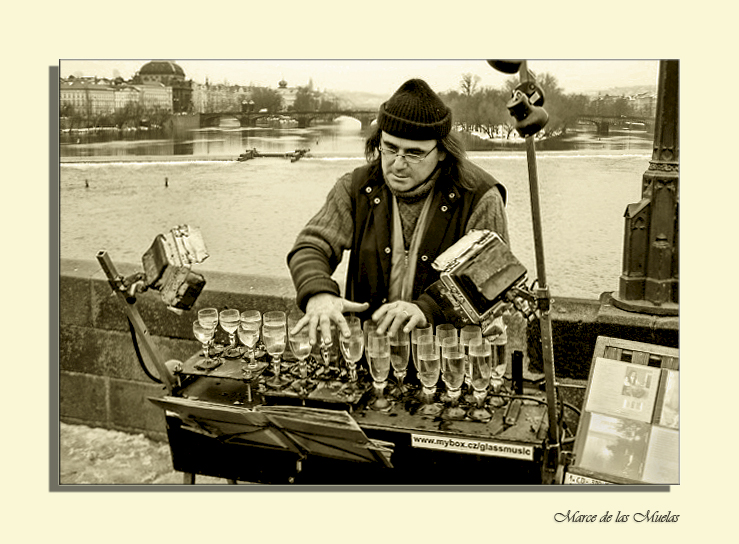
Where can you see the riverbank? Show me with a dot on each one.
(112, 159)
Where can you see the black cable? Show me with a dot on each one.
(138, 354)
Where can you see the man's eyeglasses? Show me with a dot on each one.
(411, 157)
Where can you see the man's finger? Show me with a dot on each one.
(325, 324)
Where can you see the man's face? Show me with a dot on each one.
(399, 173)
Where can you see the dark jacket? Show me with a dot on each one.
(368, 275)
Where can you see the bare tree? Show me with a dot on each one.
(469, 84)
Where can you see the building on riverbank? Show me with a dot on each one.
(94, 97)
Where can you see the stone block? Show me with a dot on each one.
(572, 344)
(74, 291)
(576, 325)
(130, 409)
(84, 398)
(112, 353)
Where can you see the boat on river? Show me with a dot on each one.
(253, 154)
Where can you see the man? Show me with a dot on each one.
(417, 195)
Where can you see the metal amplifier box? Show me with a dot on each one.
(476, 272)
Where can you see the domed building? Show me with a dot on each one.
(169, 74)
(161, 71)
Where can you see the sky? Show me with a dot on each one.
(382, 76)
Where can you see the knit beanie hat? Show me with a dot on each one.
(415, 112)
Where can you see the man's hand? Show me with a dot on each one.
(393, 315)
(323, 309)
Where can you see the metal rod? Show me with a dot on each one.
(542, 294)
(142, 333)
(541, 272)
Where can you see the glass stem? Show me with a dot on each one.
(379, 389)
(428, 394)
(303, 368)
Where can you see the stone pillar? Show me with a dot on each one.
(649, 282)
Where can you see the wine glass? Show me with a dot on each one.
(368, 327)
(278, 318)
(416, 333)
(208, 318)
(274, 338)
(446, 330)
(429, 366)
(299, 343)
(481, 365)
(500, 361)
(204, 336)
(254, 316)
(275, 317)
(378, 358)
(229, 320)
(443, 331)
(249, 335)
(352, 348)
(452, 373)
(400, 347)
(466, 335)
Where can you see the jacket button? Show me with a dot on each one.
(376, 200)
(452, 195)
(424, 258)
(444, 208)
(368, 190)
(387, 250)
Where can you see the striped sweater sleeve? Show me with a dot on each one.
(320, 245)
(490, 214)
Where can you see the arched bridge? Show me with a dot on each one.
(603, 123)
(304, 118)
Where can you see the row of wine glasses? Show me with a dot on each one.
(383, 351)
(447, 359)
(249, 326)
(457, 356)
(445, 354)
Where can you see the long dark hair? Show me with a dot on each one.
(454, 164)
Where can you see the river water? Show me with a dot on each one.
(249, 212)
